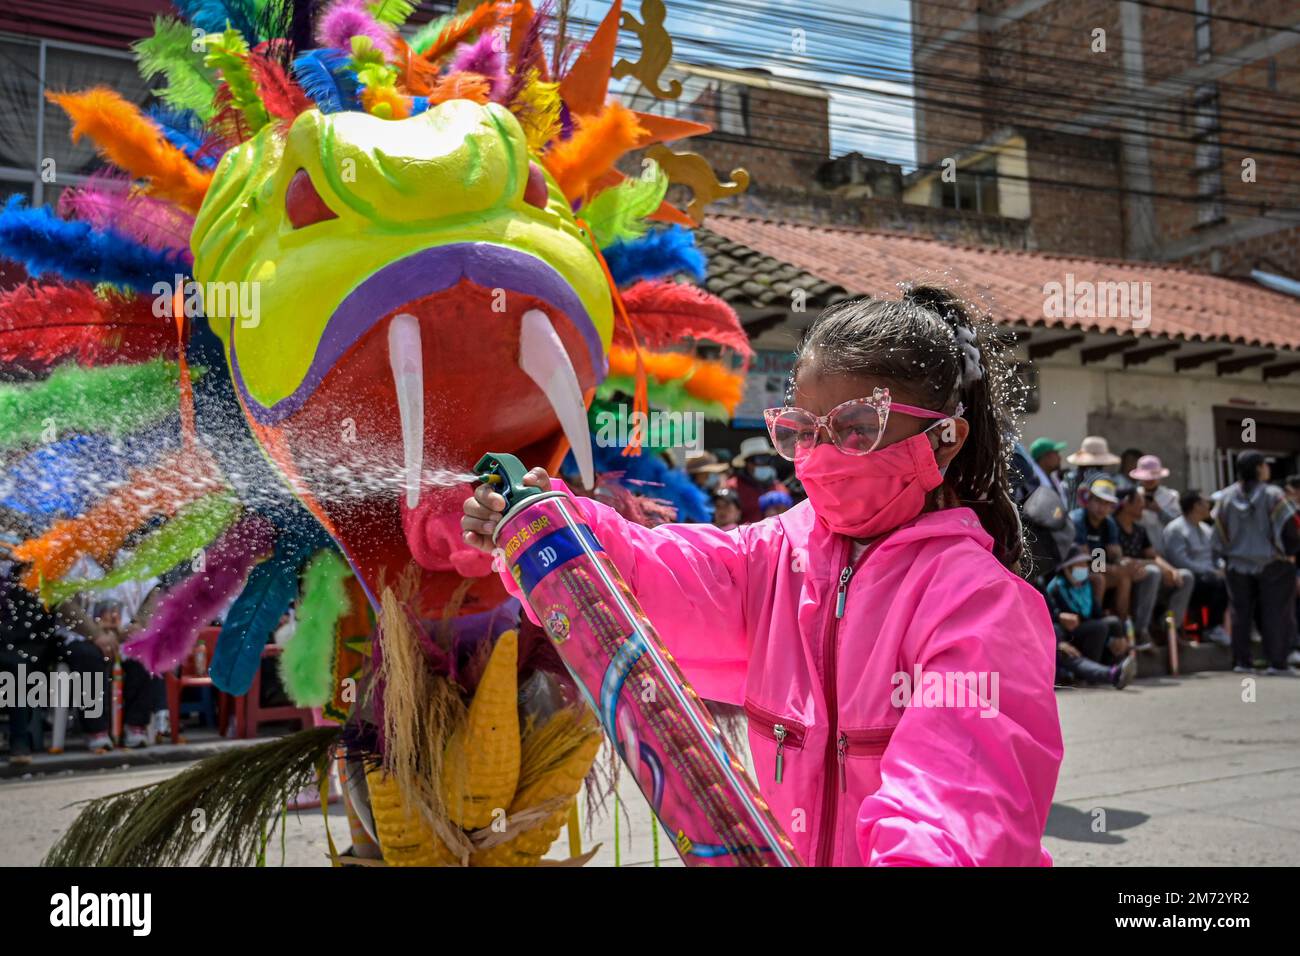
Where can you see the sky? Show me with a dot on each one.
(863, 45)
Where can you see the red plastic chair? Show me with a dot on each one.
(250, 714)
(190, 677)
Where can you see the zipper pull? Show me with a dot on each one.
(843, 590)
(779, 731)
(841, 751)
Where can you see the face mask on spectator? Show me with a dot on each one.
(1078, 574)
(764, 472)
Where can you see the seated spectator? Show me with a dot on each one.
(1161, 500)
(1096, 529)
(1189, 544)
(755, 475)
(726, 509)
(1089, 646)
(706, 471)
(1173, 584)
(1043, 503)
(775, 502)
(1092, 459)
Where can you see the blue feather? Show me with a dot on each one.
(184, 130)
(659, 253)
(213, 16)
(253, 618)
(649, 476)
(324, 76)
(43, 243)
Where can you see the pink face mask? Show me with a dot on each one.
(863, 496)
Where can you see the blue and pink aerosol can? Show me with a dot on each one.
(656, 722)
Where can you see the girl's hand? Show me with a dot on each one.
(1068, 621)
(483, 511)
(1068, 649)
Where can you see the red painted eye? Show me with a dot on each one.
(303, 204)
(536, 193)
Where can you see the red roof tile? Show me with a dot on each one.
(1185, 304)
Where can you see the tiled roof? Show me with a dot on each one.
(1185, 304)
(743, 276)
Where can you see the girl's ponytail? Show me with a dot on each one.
(979, 474)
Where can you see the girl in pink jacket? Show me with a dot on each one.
(896, 672)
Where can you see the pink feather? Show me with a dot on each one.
(486, 56)
(106, 201)
(195, 602)
(346, 19)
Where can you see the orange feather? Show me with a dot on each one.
(585, 85)
(595, 146)
(488, 16)
(178, 480)
(460, 86)
(126, 138)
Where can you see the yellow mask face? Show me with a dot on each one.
(295, 226)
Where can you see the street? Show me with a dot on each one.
(1170, 772)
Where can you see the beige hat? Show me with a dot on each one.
(757, 445)
(1093, 450)
(705, 463)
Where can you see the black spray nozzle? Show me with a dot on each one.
(505, 473)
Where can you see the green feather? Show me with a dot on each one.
(109, 400)
(391, 12)
(170, 52)
(619, 212)
(427, 34)
(176, 541)
(239, 794)
(307, 664)
(228, 53)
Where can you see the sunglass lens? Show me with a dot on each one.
(793, 433)
(856, 428)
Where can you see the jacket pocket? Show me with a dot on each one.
(785, 733)
(867, 742)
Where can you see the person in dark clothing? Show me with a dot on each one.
(1256, 534)
(1090, 646)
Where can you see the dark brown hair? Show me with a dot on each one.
(915, 343)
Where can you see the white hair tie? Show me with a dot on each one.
(972, 369)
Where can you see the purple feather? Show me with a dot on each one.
(105, 201)
(195, 602)
(530, 55)
(346, 19)
(486, 57)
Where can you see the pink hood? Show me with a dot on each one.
(750, 615)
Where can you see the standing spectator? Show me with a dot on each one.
(1093, 457)
(1128, 459)
(755, 475)
(1256, 534)
(1175, 584)
(1189, 544)
(1090, 646)
(27, 639)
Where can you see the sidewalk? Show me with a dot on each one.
(197, 744)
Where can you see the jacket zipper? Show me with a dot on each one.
(778, 728)
(860, 743)
(826, 839)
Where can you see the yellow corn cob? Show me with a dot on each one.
(564, 780)
(480, 769)
(404, 838)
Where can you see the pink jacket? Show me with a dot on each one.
(855, 777)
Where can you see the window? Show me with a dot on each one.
(34, 130)
(976, 187)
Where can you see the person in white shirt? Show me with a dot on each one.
(1189, 543)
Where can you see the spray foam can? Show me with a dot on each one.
(655, 721)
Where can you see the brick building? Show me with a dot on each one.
(1133, 130)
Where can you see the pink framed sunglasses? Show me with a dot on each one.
(855, 427)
